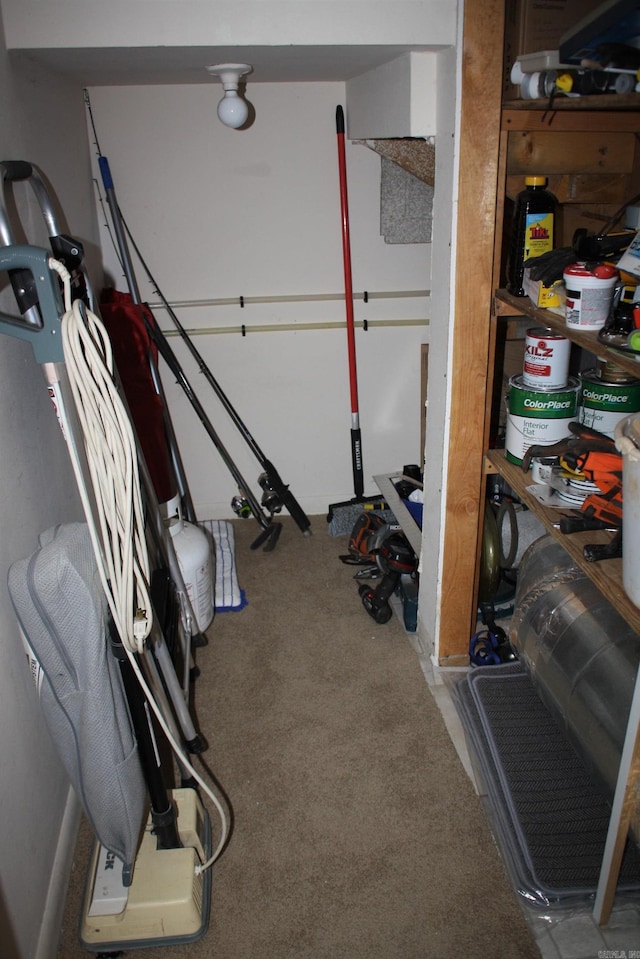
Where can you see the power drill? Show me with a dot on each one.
(394, 558)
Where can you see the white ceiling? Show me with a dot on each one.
(120, 66)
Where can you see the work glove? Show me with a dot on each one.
(549, 267)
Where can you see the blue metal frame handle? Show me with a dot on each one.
(46, 340)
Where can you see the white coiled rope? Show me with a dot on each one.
(113, 467)
(116, 520)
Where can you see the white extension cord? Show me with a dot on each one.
(117, 529)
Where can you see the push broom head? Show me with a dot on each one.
(342, 517)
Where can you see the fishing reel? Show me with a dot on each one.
(240, 506)
(270, 498)
(394, 558)
(245, 505)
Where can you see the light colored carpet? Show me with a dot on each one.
(357, 834)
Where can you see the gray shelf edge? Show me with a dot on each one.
(384, 482)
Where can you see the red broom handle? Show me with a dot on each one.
(346, 257)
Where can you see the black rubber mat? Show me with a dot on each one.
(550, 816)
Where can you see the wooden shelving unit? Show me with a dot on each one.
(607, 574)
(589, 150)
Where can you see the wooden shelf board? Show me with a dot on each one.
(508, 305)
(603, 114)
(606, 574)
(610, 103)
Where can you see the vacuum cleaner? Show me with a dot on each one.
(164, 896)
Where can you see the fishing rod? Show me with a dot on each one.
(270, 481)
(276, 494)
(271, 531)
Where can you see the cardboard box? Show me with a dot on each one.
(544, 296)
(629, 262)
(535, 25)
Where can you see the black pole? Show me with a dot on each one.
(163, 813)
(125, 258)
(275, 482)
(271, 531)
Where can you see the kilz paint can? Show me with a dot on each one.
(604, 402)
(546, 359)
(538, 417)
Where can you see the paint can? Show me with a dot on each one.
(546, 359)
(538, 417)
(589, 295)
(604, 402)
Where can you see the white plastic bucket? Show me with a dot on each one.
(630, 506)
(589, 295)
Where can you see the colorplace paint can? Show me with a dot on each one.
(538, 417)
(546, 359)
(589, 295)
(604, 402)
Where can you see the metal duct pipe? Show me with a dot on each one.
(581, 655)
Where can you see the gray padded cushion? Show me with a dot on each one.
(63, 613)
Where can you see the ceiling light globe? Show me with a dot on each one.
(233, 110)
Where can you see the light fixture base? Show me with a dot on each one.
(230, 73)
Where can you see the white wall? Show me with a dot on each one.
(220, 213)
(41, 120)
(146, 23)
(397, 99)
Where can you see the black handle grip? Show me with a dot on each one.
(24, 289)
(578, 524)
(15, 170)
(339, 120)
(286, 497)
(594, 552)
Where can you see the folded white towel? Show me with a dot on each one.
(228, 595)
